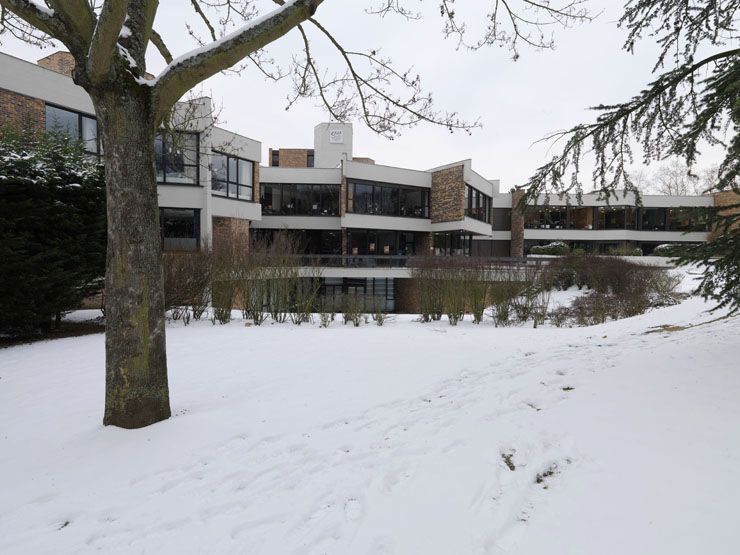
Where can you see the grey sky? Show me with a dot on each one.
(517, 102)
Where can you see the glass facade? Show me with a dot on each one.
(383, 199)
(74, 125)
(179, 228)
(477, 205)
(453, 243)
(299, 199)
(376, 242)
(617, 217)
(309, 241)
(231, 177)
(176, 158)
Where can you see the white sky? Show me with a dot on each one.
(517, 102)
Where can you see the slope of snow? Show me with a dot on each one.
(291, 440)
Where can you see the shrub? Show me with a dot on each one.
(555, 248)
(594, 308)
(625, 250)
(559, 316)
(666, 249)
(352, 309)
(326, 310)
(53, 229)
(187, 282)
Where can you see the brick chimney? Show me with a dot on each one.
(61, 62)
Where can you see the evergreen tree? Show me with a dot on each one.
(52, 224)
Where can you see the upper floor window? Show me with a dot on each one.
(366, 197)
(477, 205)
(299, 199)
(176, 158)
(75, 125)
(231, 177)
(309, 159)
(275, 159)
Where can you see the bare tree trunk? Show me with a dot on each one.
(136, 388)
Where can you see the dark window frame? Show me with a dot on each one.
(79, 115)
(377, 193)
(229, 181)
(196, 226)
(196, 165)
(315, 188)
(473, 206)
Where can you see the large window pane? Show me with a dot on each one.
(62, 121)
(179, 228)
(363, 198)
(270, 198)
(329, 200)
(245, 173)
(218, 174)
(90, 134)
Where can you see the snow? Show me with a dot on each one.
(218, 43)
(385, 439)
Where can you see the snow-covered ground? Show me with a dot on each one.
(410, 438)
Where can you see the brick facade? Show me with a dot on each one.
(448, 193)
(404, 293)
(291, 157)
(517, 225)
(424, 244)
(726, 198)
(224, 229)
(61, 62)
(22, 111)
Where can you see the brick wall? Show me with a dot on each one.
(256, 182)
(290, 157)
(404, 292)
(423, 244)
(517, 226)
(23, 111)
(224, 229)
(61, 62)
(448, 193)
(726, 198)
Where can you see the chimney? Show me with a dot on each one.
(61, 62)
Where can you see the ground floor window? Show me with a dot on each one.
(453, 243)
(179, 228)
(375, 292)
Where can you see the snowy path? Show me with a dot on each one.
(404, 439)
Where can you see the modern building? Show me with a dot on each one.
(357, 218)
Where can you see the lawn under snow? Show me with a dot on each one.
(291, 440)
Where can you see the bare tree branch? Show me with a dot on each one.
(161, 46)
(45, 21)
(189, 70)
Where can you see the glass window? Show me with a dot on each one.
(62, 121)
(231, 176)
(176, 158)
(477, 204)
(74, 125)
(387, 200)
(179, 228)
(270, 198)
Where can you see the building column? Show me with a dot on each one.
(517, 225)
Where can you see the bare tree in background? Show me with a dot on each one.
(109, 41)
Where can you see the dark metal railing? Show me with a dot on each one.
(400, 261)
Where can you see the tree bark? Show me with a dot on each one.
(136, 388)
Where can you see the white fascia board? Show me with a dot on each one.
(236, 145)
(397, 223)
(32, 80)
(231, 208)
(470, 225)
(181, 196)
(387, 174)
(467, 163)
(299, 222)
(613, 235)
(477, 181)
(331, 176)
(665, 201)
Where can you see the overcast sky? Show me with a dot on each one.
(517, 102)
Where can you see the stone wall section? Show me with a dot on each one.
(448, 192)
(724, 199)
(517, 225)
(290, 157)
